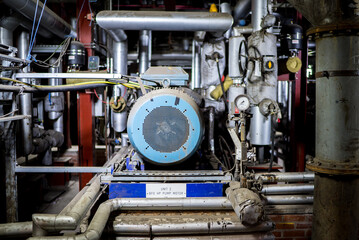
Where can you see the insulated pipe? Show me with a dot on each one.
(102, 214)
(25, 98)
(196, 65)
(13, 21)
(289, 199)
(285, 177)
(16, 229)
(259, 11)
(119, 66)
(164, 21)
(43, 223)
(144, 44)
(248, 236)
(287, 189)
(56, 117)
(226, 8)
(197, 227)
(241, 10)
(50, 20)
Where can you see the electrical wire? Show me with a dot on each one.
(90, 12)
(32, 29)
(8, 114)
(37, 28)
(221, 83)
(99, 97)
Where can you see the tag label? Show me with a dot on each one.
(154, 190)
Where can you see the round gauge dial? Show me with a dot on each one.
(242, 102)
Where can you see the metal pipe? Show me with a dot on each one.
(144, 43)
(211, 130)
(50, 20)
(25, 99)
(164, 21)
(14, 118)
(43, 169)
(8, 152)
(287, 189)
(56, 116)
(289, 199)
(118, 35)
(16, 229)
(250, 236)
(102, 214)
(259, 10)
(336, 146)
(13, 21)
(120, 50)
(73, 75)
(124, 139)
(196, 227)
(64, 88)
(196, 65)
(69, 220)
(286, 177)
(226, 8)
(241, 10)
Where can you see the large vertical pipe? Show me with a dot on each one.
(259, 10)
(144, 45)
(56, 116)
(336, 204)
(196, 65)
(8, 152)
(120, 50)
(6, 36)
(25, 98)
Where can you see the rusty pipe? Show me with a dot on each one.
(16, 229)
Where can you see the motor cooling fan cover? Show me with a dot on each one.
(165, 126)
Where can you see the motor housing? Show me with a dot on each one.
(165, 126)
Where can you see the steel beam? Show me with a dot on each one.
(43, 169)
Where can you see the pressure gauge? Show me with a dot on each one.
(242, 102)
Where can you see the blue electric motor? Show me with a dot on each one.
(165, 126)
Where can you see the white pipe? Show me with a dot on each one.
(164, 21)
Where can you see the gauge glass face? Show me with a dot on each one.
(242, 103)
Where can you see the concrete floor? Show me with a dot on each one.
(59, 197)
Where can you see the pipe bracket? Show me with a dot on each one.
(333, 168)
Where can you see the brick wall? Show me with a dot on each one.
(292, 227)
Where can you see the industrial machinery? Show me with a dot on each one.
(181, 118)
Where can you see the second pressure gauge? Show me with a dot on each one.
(242, 102)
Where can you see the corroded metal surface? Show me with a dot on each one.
(182, 222)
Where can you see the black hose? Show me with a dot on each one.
(272, 147)
(220, 81)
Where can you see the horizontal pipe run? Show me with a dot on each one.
(203, 227)
(247, 236)
(14, 118)
(69, 75)
(287, 189)
(286, 177)
(289, 199)
(65, 88)
(50, 20)
(164, 21)
(16, 229)
(44, 169)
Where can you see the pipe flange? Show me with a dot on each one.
(334, 29)
(332, 168)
